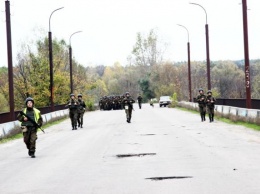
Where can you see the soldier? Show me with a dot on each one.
(210, 101)
(139, 99)
(128, 106)
(81, 110)
(201, 99)
(151, 102)
(30, 117)
(73, 108)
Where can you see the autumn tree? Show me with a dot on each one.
(4, 94)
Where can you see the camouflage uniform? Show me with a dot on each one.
(128, 106)
(201, 99)
(73, 111)
(139, 98)
(210, 101)
(28, 127)
(81, 110)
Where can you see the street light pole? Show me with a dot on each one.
(207, 46)
(189, 72)
(51, 60)
(10, 60)
(70, 56)
(246, 53)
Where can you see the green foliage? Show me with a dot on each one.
(4, 105)
(146, 49)
(174, 100)
(145, 87)
(90, 105)
(4, 92)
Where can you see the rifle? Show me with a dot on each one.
(33, 121)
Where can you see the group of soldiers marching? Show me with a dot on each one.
(111, 102)
(116, 102)
(31, 118)
(206, 102)
(77, 109)
(124, 101)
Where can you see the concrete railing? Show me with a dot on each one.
(13, 127)
(247, 114)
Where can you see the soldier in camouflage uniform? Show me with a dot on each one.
(210, 101)
(81, 110)
(29, 128)
(73, 111)
(201, 99)
(128, 106)
(139, 99)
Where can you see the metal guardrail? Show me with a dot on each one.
(5, 117)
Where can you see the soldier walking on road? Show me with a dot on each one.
(73, 111)
(81, 110)
(210, 101)
(139, 99)
(30, 119)
(128, 106)
(201, 99)
(151, 102)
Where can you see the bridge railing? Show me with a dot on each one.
(6, 117)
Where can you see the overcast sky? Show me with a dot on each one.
(109, 27)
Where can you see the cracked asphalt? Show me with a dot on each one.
(165, 150)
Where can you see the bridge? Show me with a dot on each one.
(163, 150)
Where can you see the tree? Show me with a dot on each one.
(229, 80)
(146, 50)
(4, 94)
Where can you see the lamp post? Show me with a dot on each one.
(207, 46)
(189, 73)
(70, 56)
(51, 60)
(10, 60)
(246, 53)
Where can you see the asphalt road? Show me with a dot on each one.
(162, 151)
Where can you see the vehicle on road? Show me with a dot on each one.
(164, 101)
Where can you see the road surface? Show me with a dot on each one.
(162, 151)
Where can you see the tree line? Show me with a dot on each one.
(146, 73)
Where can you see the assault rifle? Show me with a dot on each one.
(33, 121)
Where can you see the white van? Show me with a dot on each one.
(164, 101)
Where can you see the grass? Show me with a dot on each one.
(241, 123)
(228, 121)
(20, 135)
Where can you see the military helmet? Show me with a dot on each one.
(29, 99)
(200, 89)
(72, 95)
(79, 95)
(209, 92)
(127, 93)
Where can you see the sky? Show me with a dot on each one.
(109, 27)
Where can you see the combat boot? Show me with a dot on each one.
(75, 127)
(29, 153)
